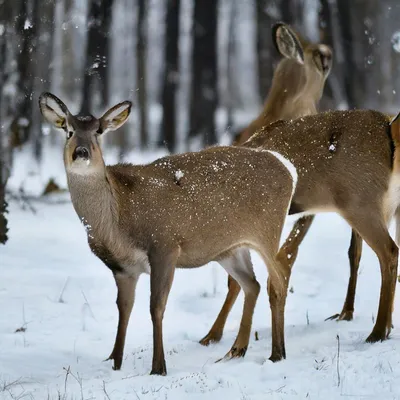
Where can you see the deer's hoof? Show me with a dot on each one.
(345, 315)
(210, 338)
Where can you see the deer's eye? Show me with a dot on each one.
(69, 134)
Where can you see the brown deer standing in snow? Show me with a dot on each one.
(347, 162)
(296, 89)
(179, 211)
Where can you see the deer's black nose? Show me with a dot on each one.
(81, 152)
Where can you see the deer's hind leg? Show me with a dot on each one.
(279, 265)
(374, 231)
(290, 248)
(277, 286)
(239, 266)
(217, 330)
(354, 253)
(288, 253)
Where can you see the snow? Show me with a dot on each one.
(179, 175)
(63, 297)
(27, 24)
(396, 41)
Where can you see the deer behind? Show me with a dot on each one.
(297, 83)
(179, 211)
(348, 163)
(296, 89)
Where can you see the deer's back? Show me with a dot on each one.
(220, 197)
(341, 157)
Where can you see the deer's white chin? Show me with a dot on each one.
(82, 167)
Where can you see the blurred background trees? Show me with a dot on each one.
(196, 70)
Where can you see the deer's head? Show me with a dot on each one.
(314, 57)
(82, 152)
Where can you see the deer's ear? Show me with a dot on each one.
(115, 117)
(287, 42)
(53, 110)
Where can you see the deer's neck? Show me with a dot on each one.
(94, 201)
(314, 87)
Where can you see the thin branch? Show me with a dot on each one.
(337, 359)
(105, 390)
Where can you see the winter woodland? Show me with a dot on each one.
(197, 71)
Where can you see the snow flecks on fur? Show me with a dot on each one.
(84, 118)
(179, 175)
(88, 228)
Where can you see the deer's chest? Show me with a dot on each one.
(120, 257)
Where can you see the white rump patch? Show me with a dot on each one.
(289, 166)
(394, 119)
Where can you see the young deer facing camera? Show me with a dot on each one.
(179, 211)
(296, 89)
(347, 162)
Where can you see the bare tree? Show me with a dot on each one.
(168, 124)
(141, 72)
(95, 82)
(42, 68)
(26, 23)
(230, 82)
(8, 75)
(204, 98)
(4, 142)
(265, 51)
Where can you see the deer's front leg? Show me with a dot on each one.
(126, 286)
(161, 276)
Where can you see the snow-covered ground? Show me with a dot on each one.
(64, 298)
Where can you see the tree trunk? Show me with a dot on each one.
(230, 92)
(265, 49)
(42, 70)
(7, 46)
(141, 72)
(4, 142)
(204, 95)
(168, 124)
(27, 21)
(349, 71)
(95, 82)
(3, 203)
(330, 34)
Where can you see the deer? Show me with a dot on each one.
(296, 89)
(180, 211)
(298, 80)
(347, 162)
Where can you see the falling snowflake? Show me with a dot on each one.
(396, 41)
(28, 24)
(179, 175)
